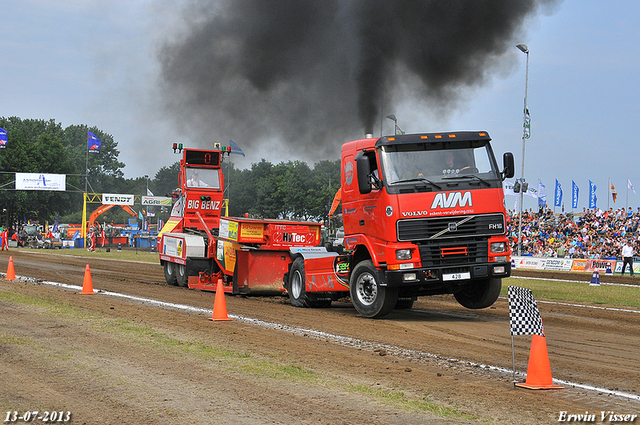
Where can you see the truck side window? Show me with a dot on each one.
(375, 174)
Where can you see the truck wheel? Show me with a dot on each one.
(170, 273)
(479, 294)
(181, 275)
(367, 295)
(297, 292)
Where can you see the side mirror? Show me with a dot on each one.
(509, 167)
(363, 170)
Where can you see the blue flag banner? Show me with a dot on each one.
(574, 194)
(558, 195)
(55, 225)
(542, 194)
(93, 143)
(235, 148)
(592, 195)
(3, 138)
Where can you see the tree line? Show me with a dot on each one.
(290, 189)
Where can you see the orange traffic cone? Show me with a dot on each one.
(219, 305)
(539, 370)
(11, 273)
(87, 284)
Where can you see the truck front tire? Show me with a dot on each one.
(368, 295)
(170, 273)
(479, 294)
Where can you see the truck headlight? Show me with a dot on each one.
(403, 254)
(497, 247)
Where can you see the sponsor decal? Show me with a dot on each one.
(195, 204)
(348, 173)
(369, 208)
(294, 235)
(251, 231)
(352, 240)
(452, 200)
(341, 267)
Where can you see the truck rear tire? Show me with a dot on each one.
(479, 294)
(182, 277)
(170, 273)
(368, 295)
(297, 291)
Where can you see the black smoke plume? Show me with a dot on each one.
(312, 74)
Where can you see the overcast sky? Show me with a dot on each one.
(97, 63)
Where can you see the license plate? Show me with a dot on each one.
(456, 276)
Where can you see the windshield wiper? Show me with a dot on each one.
(417, 179)
(464, 177)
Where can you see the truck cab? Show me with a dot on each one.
(425, 214)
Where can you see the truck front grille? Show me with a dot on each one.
(443, 253)
(420, 229)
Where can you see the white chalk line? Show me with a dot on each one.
(338, 339)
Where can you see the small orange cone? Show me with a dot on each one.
(219, 305)
(539, 370)
(87, 284)
(11, 273)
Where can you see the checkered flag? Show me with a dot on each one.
(523, 312)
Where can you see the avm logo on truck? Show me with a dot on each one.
(452, 200)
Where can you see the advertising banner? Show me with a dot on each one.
(601, 265)
(580, 265)
(636, 268)
(116, 199)
(546, 263)
(156, 200)
(35, 181)
(561, 264)
(528, 263)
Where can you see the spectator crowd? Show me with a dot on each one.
(594, 233)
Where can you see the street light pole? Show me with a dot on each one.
(525, 50)
(395, 122)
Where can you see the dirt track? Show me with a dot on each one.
(112, 360)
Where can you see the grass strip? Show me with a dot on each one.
(578, 292)
(399, 399)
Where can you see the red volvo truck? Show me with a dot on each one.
(423, 214)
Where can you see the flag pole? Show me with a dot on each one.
(84, 197)
(626, 201)
(513, 360)
(609, 193)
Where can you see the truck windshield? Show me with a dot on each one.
(203, 177)
(412, 162)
